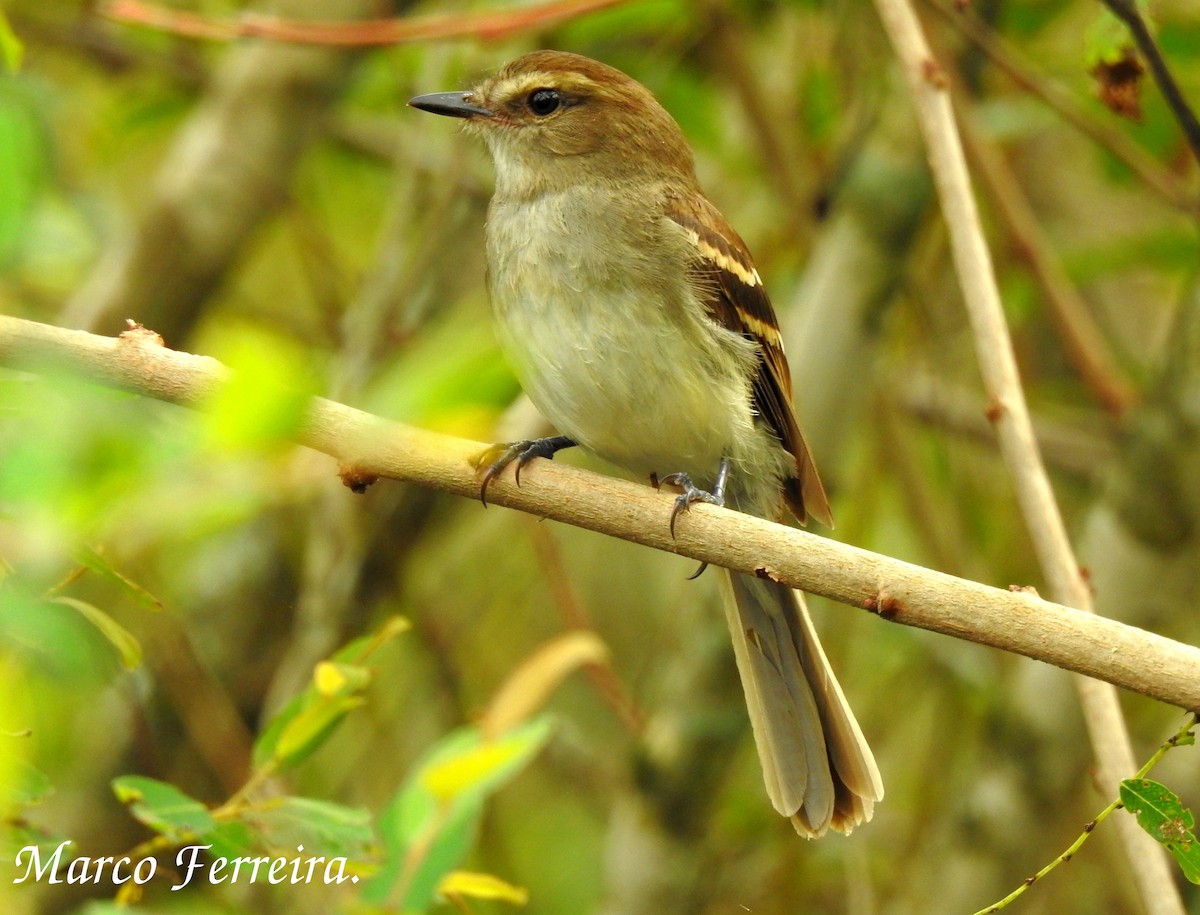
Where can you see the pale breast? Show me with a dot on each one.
(608, 339)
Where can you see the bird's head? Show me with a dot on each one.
(551, 118)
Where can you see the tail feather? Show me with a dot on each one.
(817, 766)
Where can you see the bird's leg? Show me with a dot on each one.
(692, 493)
(500, 456)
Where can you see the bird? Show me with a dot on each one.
(636, 321)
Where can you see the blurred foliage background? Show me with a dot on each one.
(169, 579)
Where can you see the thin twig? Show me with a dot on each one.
(1027, 75)
(368, 448)
(488, 24)
(1128, 13)
(1116, 804)
(1008, 411)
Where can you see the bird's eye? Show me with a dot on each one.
(544, 101)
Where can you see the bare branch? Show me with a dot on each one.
(489, 24)
(1010, 414)
(368, 447)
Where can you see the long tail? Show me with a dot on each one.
(816, 763)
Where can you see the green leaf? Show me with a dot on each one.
(360, 650)
(422, 844)
(310, 726)
(268, 740)
(429, 826)
(321, 827)
(1160, 812)
(98, 563)
(307, 720)
(164, 808)
(481, 766)
(118, 636)
(54, 638)
(233, 839)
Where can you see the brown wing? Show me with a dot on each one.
(739, 302)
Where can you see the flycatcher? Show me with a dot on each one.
(638, 325)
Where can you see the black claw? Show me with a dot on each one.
(681, 503)
(522, 452)
(496, 467)
(691, 493)
(698, 572)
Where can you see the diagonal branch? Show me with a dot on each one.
(1009, 412)
(1127, 12)
(368, 447)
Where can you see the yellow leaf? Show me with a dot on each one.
(481, 886)
(333, 679)
(328, 680)
(304, 732)
(531, 684)
(447, 780)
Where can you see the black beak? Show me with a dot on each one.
(451, 104)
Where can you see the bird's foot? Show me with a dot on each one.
(692, 494)
(496, 458)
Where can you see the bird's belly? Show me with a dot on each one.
(625, 381)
